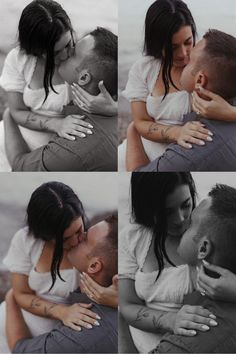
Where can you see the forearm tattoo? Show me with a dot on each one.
(141, 314)
(37, 302)
(154, 127)
(154, 320)
(33, 121)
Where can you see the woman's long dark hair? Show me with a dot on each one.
(41, 25)
(52, 208)
(149, 191)
(163, 19)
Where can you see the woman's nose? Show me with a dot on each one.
(64, 55)
(183, 51)
(179, 216)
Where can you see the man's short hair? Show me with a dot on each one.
(220, 59)
(221, 226)
(108, 248)
(103, 61)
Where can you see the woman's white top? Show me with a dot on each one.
(16, 76)
(141, 82)
(165, 294)
(22, 257)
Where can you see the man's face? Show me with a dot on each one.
(189, 75)
(83, 48)
(188, 247)
(80, 255)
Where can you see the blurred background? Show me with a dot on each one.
(85, 15)
(97, 191)
(206, 13)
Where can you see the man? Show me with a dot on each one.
(210, 237)
(94, 59)
(96, 254)
(212, 65)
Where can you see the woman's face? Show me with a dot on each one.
(182, 44)
(72, 233)
(63, 48)
(179, 206)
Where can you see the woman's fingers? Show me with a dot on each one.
(87, 291)
(74, 326)
(74, 132)
(214, 268)
(184, 144)
(185, 332)
(90, 283)
(82, 122)
(83, 311)
(104, 91)
(81, 94)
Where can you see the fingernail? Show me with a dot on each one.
(89, 326)
(82, 135)
(213, 323)
(210, 133)
(73, 137)
(209, 138)
(193, 333)
(212, 316)
(79, 328)
(90, 126)
(81, 276)
(89, 132)
(206, 328)
(201, 142)
(190, 146)
(98, 317)
(96, 323)
(205, 262)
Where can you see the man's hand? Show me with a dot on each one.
(101, 104)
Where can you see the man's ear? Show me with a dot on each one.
(201, 80)
(204, 248)
(95, 265)
(84, 77)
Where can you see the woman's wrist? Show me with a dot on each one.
(174, 133)
(57, 312)
(231, 113)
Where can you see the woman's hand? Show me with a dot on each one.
(78, 315)
(222, 288)
(190, 319)
(213, 106)
(101, 104)
(192, 133)
(73, 126)
(101, 295)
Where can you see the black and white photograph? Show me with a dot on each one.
(58, 263)
(177, 75)
(58, 85)
(177, 265)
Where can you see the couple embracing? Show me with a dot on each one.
(64, 283)
(177, 266)
(44, 131)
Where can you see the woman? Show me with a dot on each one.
(42, 277)
(36, 93)
(153, 278)
(154, 90)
